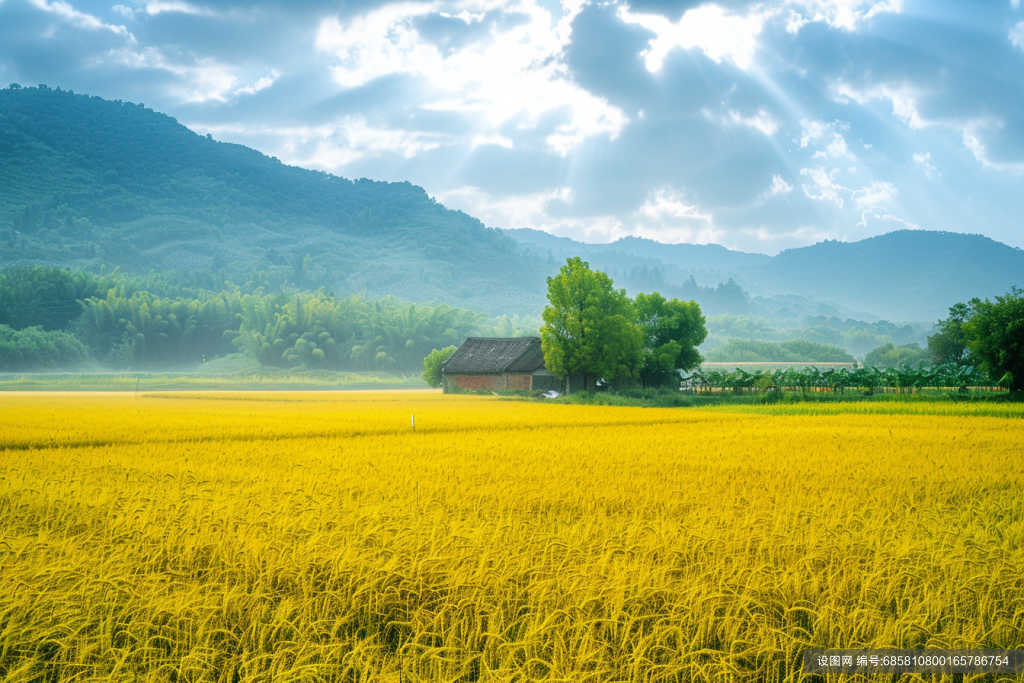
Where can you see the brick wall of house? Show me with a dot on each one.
(474, 382)
(517, 381)
(489, 382)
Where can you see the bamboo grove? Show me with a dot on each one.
(309, 329)
(167, 319)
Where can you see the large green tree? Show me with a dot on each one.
(672, 331)
(589, 327)
(949, 345)
(995, 337)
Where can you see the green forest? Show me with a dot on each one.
(54, 318)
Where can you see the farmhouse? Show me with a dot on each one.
(498, 365)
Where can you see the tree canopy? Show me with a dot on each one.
(995, 337)
(672, 332)
(949, 345)
(432, 365)
(590, 326)
(594, 329)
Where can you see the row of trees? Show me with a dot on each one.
(988, 335)
(839, 379)
(980, 344)
(594, 330)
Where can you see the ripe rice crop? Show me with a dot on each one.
(309, 537)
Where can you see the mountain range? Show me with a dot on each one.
(86, 181)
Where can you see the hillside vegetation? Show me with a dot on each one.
(88, 181)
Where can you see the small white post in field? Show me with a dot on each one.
(413, 418)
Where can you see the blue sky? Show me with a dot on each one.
(759, 126)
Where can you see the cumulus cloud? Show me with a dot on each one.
(844, 14)
(203, 80)
(665, 215)
(823, 187)
(779, 186)
(529, 210)
(333, 146)
(906, 106)
(875, 193)
(827, 137)
(161, 6)
(762, 121)
(1017, 35)
(904, 99)
(971, 132)
(717, 33)
(261, 84)
(883, 220)
(512, 75)
(68, 13)
(925, 160)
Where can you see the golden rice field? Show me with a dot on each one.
(316, 537)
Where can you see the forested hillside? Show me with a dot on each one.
(86, 181)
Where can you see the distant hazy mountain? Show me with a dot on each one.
(88, 181)
(904, 275)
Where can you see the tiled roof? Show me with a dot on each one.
(486, 355)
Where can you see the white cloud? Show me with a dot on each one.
(903, 97)
(969, 133)
(203, 81)
(334, 145)
(352, 138)
(905, 106)
(761, 121)
(844, 14)
(664, 216)
(1015, 4)
(823, 187)
(665, 205)
(708, 27)
(78, 19)
(511, 211)
(1017, 35)
(879, 213)
(779, 186)
(512, 75)
(925, 159)
(261, 84)
(773, 241)
(162, 6)
(875, 193)
(499, 140)
(816, 133)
